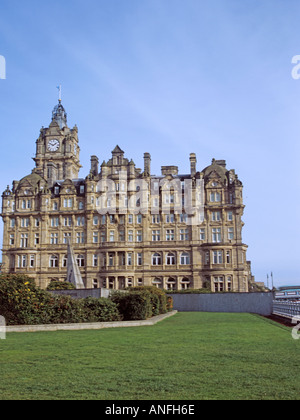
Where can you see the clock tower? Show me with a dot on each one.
(57, 150)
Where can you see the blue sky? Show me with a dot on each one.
(168, 77)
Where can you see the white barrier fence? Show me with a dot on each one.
(286, 309)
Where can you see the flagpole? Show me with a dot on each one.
(272, 280)
(59, 93)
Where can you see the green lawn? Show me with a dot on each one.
(190, 356)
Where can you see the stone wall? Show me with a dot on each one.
(259, 303)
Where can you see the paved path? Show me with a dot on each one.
(88, 325)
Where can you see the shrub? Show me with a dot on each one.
(65, 310)
(189, 291)
(60, 285)
(169, 303)
(159, 299)
(133, 305)
(100, 310)
(23, 303)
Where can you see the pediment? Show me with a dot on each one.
(117, 149)
(213, 175)
(26, 184)
(68, 187)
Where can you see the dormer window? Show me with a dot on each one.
(215, 197)
(56, 190)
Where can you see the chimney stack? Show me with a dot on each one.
(193, 161)
(147, 164)
(94, 165)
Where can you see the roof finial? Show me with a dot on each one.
(59, 92)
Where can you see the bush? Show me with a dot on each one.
(100, 310)
(60, 285)
(189, 291)
(133, 305)
(23, 303)
(159, 298)
(169, 303)
(65, 310)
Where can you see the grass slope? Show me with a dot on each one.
(191, 356)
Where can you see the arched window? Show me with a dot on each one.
(170, 259)
(80, 261)
(185, 258)
(171, 284)
(229, 283)
(53, 261)
(156, 259)
(185, 283)
(65, 261)
(157, 283)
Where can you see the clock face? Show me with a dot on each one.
(53, 145)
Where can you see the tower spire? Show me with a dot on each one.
(59, 114)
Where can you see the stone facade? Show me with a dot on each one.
(127, 227)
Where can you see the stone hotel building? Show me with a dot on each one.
(127, 227)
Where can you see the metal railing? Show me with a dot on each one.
(286, 309)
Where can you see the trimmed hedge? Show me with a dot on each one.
(23, 303)
(60, 285)
(161, 308)
(133, 305)
(100, 310)
(141, 302)
(189, 291)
